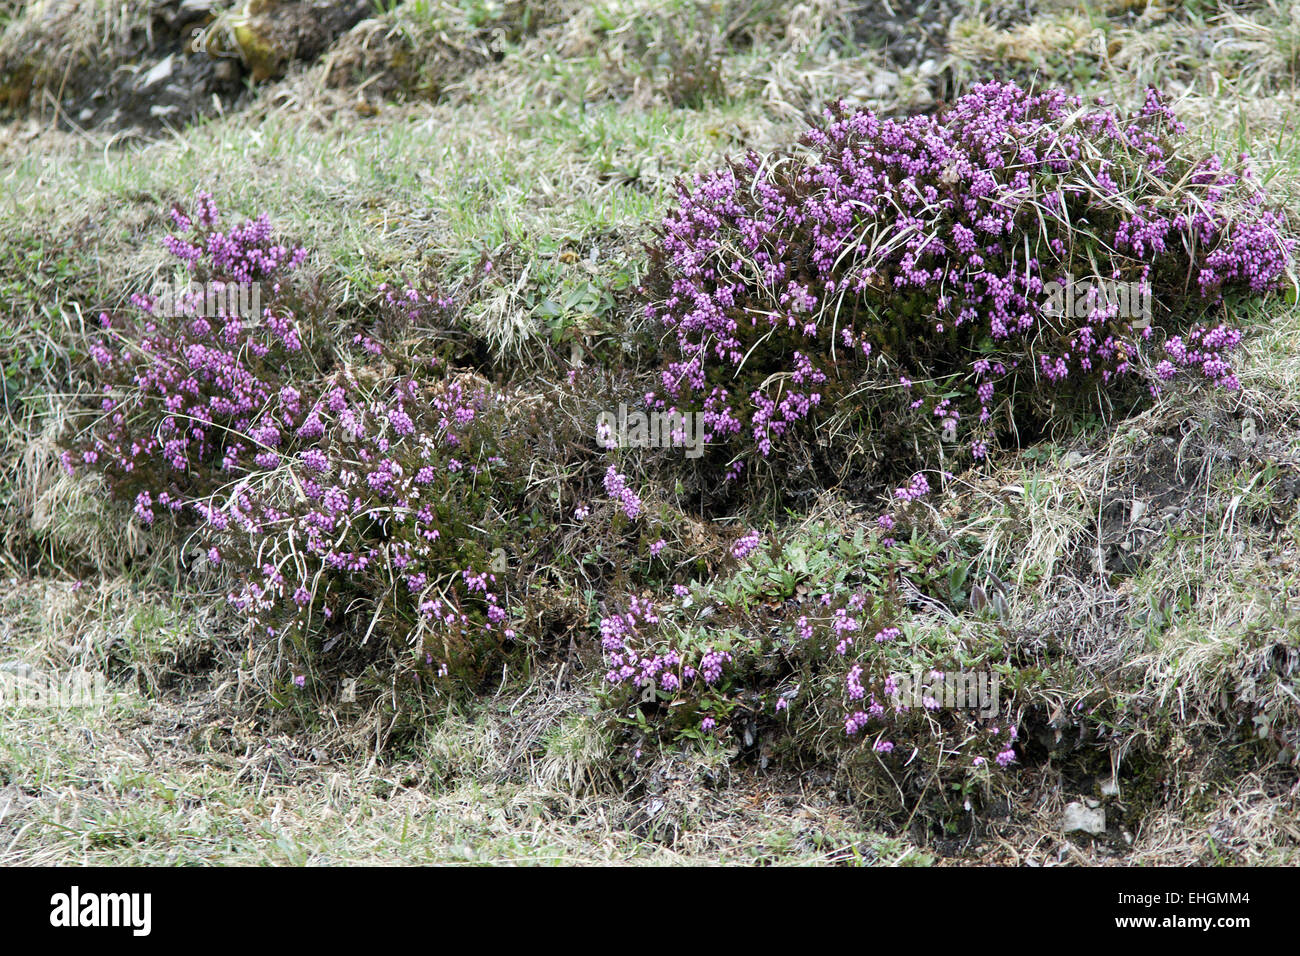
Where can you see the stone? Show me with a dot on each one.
(161, 71)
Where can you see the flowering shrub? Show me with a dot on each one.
(383, 524)
(189, 399)
(352, 504)
(905, 265)
(813, 642)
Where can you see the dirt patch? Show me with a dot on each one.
(143, 67)
(69, 62)
(913, 36)
(1163, 487)
(908, 32)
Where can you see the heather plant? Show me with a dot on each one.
(382, 530)
(813, 645)
(894, 276)
(349, 496)
(195, 393)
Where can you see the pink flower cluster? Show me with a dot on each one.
(617, 488)
(342, 509)
(905, 249)
(827, 652)
(191, 400)
(745, 545)
(670, 670)
(379, 519)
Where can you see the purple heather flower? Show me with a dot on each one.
(953, 194)
(746, 544)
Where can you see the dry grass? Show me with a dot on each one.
(529, 148)
(48, 47)
(1064, 34)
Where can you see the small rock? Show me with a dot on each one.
(161, 71)
(1079, 817)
